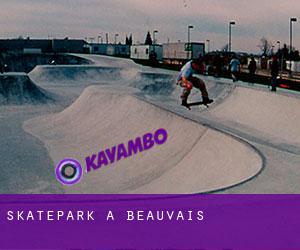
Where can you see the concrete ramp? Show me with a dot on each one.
(154, 83)
(271, 115)
(17, 88)
(75, 74)
(149, 83)
(194, 159)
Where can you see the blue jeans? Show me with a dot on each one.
(274, 82)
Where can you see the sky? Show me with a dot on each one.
(92, 18)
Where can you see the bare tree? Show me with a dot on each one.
(265, 46)
(225, 48)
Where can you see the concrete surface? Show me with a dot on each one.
(246, 142)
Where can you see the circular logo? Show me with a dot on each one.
(68, 172)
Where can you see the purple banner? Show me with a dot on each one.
(150, 222)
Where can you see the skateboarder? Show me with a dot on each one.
(187, 81)
(235, 68)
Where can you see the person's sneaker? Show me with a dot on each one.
(184, 103)
(206, 100)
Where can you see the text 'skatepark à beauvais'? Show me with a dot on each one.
(91, 215)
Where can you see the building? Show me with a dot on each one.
(42, 45)
(68, 45)
(120, 50)
(179, 52)
(146, 52)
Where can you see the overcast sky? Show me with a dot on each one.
(90, 18)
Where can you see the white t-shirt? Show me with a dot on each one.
(187, 71)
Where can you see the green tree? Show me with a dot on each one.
(148, 40)
(130, 40)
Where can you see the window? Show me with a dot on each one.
(135, 51)
(96, 49)
(147, 51)
(123, 49)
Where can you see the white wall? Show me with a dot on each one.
(295, 66)
(178, 51)
(174, 51)
(142, 52)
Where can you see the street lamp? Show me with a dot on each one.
(154, 32)
(292, 20)
(281, 57)
(229, 44)
(116, 35)
(189, 39)
(154, 42)
(208, 45)
(106, 35)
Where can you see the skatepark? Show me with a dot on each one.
(248, 141)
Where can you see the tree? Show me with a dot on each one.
(265, 46)
(148, 40)
(130, 40)
(225, 48)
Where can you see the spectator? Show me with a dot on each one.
(235, 68)
(153, 57)
(252, 69)
(218, 65)
(274, 73)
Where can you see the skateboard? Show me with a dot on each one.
(189, 105)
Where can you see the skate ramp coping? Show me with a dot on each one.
(18, 88)
(262, 112)
(109, 61)
(194, 159)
